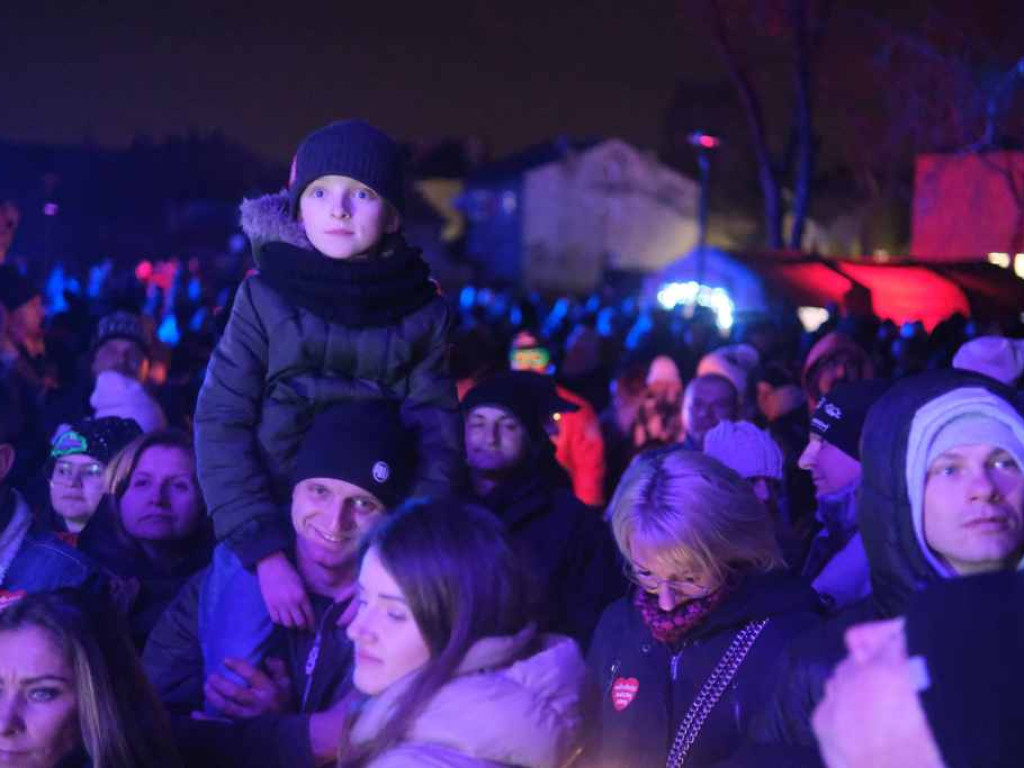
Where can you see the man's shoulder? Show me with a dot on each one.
(44, 562)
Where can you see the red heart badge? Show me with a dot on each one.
(624, 691)
(10, 598)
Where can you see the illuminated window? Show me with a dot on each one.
(999, 259)
(1018, 265)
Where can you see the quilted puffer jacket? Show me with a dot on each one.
(307, 331)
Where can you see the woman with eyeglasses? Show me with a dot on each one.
(77, 470)
(684, 662)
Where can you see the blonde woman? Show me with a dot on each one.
(683, 663)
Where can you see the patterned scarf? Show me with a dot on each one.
(669, 627)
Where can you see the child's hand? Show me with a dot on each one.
(284, 593)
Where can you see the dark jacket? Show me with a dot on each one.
(641, 733)
(289, 350)
(39, 562)
(173, 660)
(899, 569)
(571, 554)
(127, 566)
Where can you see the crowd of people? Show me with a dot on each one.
(339, 517)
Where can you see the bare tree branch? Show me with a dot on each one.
(755, 117)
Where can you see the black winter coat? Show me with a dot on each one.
(641, 733)
(173, 661)
(569, 548)
(128, 566)
(899, 569)
(346, 331)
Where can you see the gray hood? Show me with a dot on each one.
(899, 565)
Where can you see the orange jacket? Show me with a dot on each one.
(579, 448)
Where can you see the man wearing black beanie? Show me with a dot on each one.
(354, 465)
(836, 564)
(513, 473)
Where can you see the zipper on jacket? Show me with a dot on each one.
(674, 664)
(612, 671)
(312, 656)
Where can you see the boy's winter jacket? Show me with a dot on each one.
(305, 332)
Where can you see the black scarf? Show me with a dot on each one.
(377, 291)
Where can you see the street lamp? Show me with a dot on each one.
(704, 144)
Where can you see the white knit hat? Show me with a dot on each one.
(743, 447)
(663, 370)
(736, 362)
(117, 395)
(995, 356)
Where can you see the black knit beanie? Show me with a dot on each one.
(839, 417)
(530, 397)
(121, 325)
(100, 438)
(360, 442)
(355, 149)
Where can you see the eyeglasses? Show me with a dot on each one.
(66, 473)
(648, 582)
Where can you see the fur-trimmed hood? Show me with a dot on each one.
(266, 220)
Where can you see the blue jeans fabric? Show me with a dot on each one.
(233, 618)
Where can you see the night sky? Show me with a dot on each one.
(510, 72)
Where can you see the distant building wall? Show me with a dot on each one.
(967, 206)
(608, 207)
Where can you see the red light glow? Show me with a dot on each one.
(905, 294)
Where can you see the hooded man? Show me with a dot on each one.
(942, 496)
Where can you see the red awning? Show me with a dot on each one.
(803, 281)
(902, 293)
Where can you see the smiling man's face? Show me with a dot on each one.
(330, 515)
